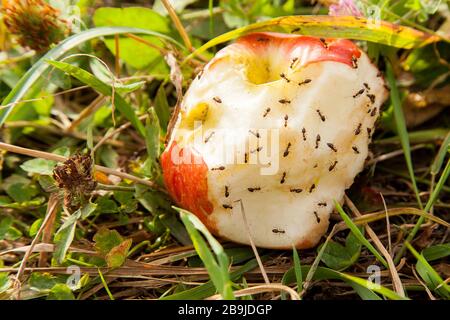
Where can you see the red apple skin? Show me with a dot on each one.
(188, 183)
(318, 49)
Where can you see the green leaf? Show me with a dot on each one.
(42, 282)
(128, 88)
(158, 203)
(117, 256)
(152, 136)
(217, 266)
(104, 74)
(106, 240)
(338, 257)
(424, 64)
(136, 54)
(162, 108)
(60, 292)
(87, 210)
(105, 205)
(109, 156)
(5, 224)
(40, 68)
(7, 230)
(39, 166)
(5, 283)
(64, 236)
(436, 252)
(111, 245)
(34, 228)
(103, 88)
(63, 240)
(154, 225)
(5, 200)
(348, 27)
(19, 188)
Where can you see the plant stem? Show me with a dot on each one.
(58, 158)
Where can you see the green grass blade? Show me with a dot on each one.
(323, 273)
(217, 269)
(207, 289)
(23, 86)
(105, 284)
(439, 160)
(436, 252)
(374, 287)
(429, 275)
(211, 17)
(359, 235)
(401, 128)
(439, 185)
(348, 27)
(298, 270)
(419, 136)
(103, 88)
(434, 196)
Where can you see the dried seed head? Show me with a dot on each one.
(36, 24)
(75, 177)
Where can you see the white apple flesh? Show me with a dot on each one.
(285, 124)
